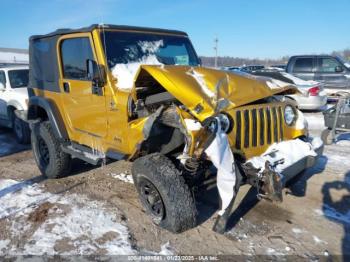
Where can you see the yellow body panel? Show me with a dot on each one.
(102, 122)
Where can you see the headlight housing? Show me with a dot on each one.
(290, 115)
(226, 123)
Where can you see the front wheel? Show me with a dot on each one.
(164, 193)
(51, 160)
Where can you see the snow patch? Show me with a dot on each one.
(4, 244)
(192, 125)
(290, 152)
(166, 250)
(85, 226)
(125, 73)
(123, 177)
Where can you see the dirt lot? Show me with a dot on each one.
(96, 211)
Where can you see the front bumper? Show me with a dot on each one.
(302, 164)
(290, 158)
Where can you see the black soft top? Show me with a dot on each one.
(106, 27)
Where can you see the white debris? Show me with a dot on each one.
(297, 230)
(290, 152)
(219, 152)
(192, 125)
(317, 240)
(125, 73)
(123, 177)
(287, 249)
(201, 82)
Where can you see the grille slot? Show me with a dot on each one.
(259, 127)
(238, 131)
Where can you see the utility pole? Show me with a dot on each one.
(216, 40)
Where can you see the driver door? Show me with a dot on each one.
(84, 108)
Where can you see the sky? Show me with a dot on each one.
(251, 29)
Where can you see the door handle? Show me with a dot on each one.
(96, 90)
(66, 87)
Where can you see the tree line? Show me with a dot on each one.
(239, 61)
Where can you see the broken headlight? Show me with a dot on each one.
(226, 123)
(289, 115)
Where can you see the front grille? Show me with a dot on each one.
(258, 127)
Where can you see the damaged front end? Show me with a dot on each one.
(238, 123)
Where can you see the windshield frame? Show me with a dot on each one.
(191, 50)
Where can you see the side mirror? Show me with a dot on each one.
(95, 73)
(339, 69)
(2, 87)
(200, 61)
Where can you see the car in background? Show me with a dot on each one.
(283, 67)
(312, 95)
(251, 68)
(332, 71)
(14, 100)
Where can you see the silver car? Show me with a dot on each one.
(312, 94)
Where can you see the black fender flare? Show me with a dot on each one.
(52, 112)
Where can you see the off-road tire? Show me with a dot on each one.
(21, 130)
(179, 205)
(58, 163)
(326, 137)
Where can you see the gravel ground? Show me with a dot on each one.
(97, 211)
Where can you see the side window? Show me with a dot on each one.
(327, 65)
(2, 78)
(303, 65)
(74, 53)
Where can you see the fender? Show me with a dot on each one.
(17, 105)
(53, 115)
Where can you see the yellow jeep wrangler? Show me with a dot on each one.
(121, 92)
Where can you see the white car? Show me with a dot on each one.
(13, 101)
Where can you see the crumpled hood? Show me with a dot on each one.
(196, 87)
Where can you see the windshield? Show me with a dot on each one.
(19, 78)
(129, 47)
(344, 61)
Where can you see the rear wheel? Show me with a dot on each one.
(20, 129)
(164, 193)
(51, 160)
